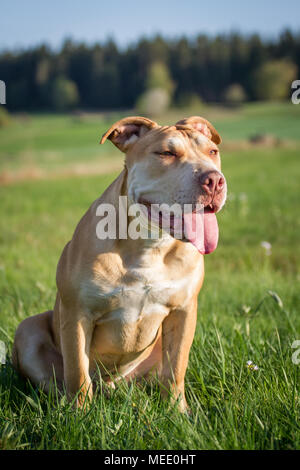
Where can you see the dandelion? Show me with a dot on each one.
(267, 247)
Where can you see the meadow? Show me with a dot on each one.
(51, 170)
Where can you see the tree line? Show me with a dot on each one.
(107, 76)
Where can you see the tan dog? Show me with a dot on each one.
(129, 307)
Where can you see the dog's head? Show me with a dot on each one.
(170, 165)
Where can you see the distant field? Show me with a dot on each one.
(48, 143)
(239, 320)
(40, 145)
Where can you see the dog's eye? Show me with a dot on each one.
(213, 152)
(167, 153)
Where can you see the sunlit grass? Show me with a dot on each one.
(53, 143)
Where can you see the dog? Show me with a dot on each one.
(128, 307)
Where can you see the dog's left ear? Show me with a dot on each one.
(127, 131)
(202, 125)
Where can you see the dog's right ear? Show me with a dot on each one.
(203, 126)
(127, 131)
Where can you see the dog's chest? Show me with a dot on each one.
(128, 314)
(151, 294)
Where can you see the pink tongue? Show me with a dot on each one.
(202, 231)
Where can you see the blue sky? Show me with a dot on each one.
(25, 23)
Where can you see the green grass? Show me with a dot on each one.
(52, 143)
(232, 407)
(278, 119)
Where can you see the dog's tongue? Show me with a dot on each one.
(202, 230)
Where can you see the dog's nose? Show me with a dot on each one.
(212, 182)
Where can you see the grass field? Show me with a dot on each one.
(240, 317)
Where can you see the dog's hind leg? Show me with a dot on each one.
(34, 353)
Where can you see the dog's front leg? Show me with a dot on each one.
(178, 331)
(76, 335)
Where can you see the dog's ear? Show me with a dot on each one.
(201, 125)
(127, 131)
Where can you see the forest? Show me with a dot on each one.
(225, 68)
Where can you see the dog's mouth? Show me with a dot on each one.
(198, 226)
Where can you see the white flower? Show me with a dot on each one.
(251, 366)
(117, 427)
(246, 309)
(267, 246)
